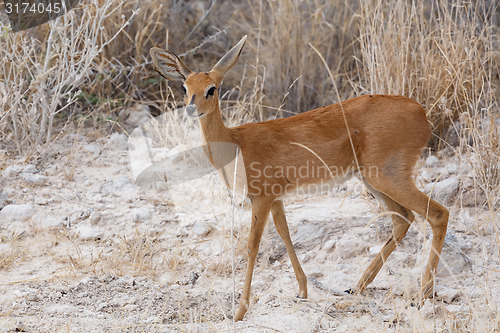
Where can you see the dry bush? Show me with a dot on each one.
(284, 66)
(43, 70)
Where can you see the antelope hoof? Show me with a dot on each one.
(242, 310)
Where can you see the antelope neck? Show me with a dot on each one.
(214, 129)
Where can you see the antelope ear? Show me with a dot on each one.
(229, 59)
(169, 65)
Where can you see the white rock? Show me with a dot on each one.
(29, 168)
(431, 161)
(447, 294)
(14, 170)
(95, 218)
(329, 245)
(315, 273)
(88, 233)
(118, 141)
(21, 212)
(120, 182)
(350, 246)
(452, 167)
(443, 191)
(308, 233)
(92, 148)
(201, 228)
(50, 221)
(374, 250)
(426, 175)
(464, 216)
(34, 178)
(453, 259)
(141, 214)
(305, 258)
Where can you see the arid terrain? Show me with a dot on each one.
(92, 238)
(84, 249)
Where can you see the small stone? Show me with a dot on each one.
(444, 191)
(374, 250)
(329, 245)
(12, 171)
(119, 141)
(201, 228)
(464, 217)
(448, 295)
(452, 167)
(93, 149)
(21, 212)
(350, 246)
(426, 175)
(431, 161)
(316, 273)
(95, 218)
(141, 214)
(34, 179)
(308, 233)
(89, 233)
(20, 326)
(120, 182)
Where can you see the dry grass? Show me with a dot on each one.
(84, 68)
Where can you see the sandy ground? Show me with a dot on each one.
(84, 249)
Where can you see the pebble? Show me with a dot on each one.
(426, 175)
(443, 191)
(201, 228)
(89, 233)
(329, 245)
(305, 258)
(95, 217)
(308, 233)
(21, 212)
(34, 179)
(119, 141)
(431, 161)
(452, 168)
(141, 214)
(14, 170)
(350, 246)
(447, 294)
(93, 149)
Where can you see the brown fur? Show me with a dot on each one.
(380, 143)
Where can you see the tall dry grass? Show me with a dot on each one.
(446, 56)
(87, 66)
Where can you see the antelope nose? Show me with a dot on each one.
(191, 109)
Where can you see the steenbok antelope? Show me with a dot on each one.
(369, 133)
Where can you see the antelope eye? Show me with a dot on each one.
(211, 91)
(184, 91)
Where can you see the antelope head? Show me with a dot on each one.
(200, 89)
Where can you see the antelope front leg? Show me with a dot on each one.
(260, 213)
